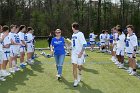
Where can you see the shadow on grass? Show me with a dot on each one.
(90, 70)
(16, 79)
(37, 66)
(19, 78)
(82, 88)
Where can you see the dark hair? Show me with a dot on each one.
(21, 27)
(103, 31)
(5, 28)
(29, 28)
(130, 26)
(75, 25)
(120, 30)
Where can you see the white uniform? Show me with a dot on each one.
(30, 46)
(120, 45)
(6, 51)
(115, 36)
(102, 39)
(1, 50)
(14, 50)
(22, 38)
(92, 38)
(107, 39)
(131, 42)
(78, 41)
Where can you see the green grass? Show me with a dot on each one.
(100, 75)
(41, 43)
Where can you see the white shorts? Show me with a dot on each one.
(76, 60)
(22, 49)
(107, 43)
(120, 52)
(102, 43)
(1, 57)
(92, 42)
(30, 48)
(130, 55)
(14, 51)
(114, 48)
(6, 55)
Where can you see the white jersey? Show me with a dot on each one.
(115, 36)
(78, 40)
(102, 38)
(29, 38)
(5, 42)
(21, 37)
(92, 37)
(131, 42)
(1, 46)
(107, 36)
(121, 41)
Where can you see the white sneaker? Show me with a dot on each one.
(58, 77)
(75, 83)
(121, 66)
(79, 78)
(116, 63)
(2, 79)
(16, 68)
(5, 73)
(133, 73)
(11, 70)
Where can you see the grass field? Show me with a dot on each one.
(100, 75)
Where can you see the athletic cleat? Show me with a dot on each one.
(16, 69)
(121, 66)
(133, 73)
(75, 83)
(2, 79)
(11, 70)
(5, 73)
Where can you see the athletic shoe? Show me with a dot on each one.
(5, 73)
(121, 66)
(16, 68)
(129, 71)
(75, 83)
(116, 63)
(11, 70)
(22, 65)
(79, 78)
(133, 73)
(58, 77)
(2, 79)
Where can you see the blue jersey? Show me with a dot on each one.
(58, 45)
(111, 38)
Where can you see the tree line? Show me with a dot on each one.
(47, 15)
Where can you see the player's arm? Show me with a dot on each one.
(3, 36)
(83, 43)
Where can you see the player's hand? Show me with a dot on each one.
(80, 55)
(52, 52)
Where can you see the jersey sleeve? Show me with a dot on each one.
(21, 36)
(134, 41)
(52, 42)
(82, 39)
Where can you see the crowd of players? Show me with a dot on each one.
(119, 43)
(14, 41)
